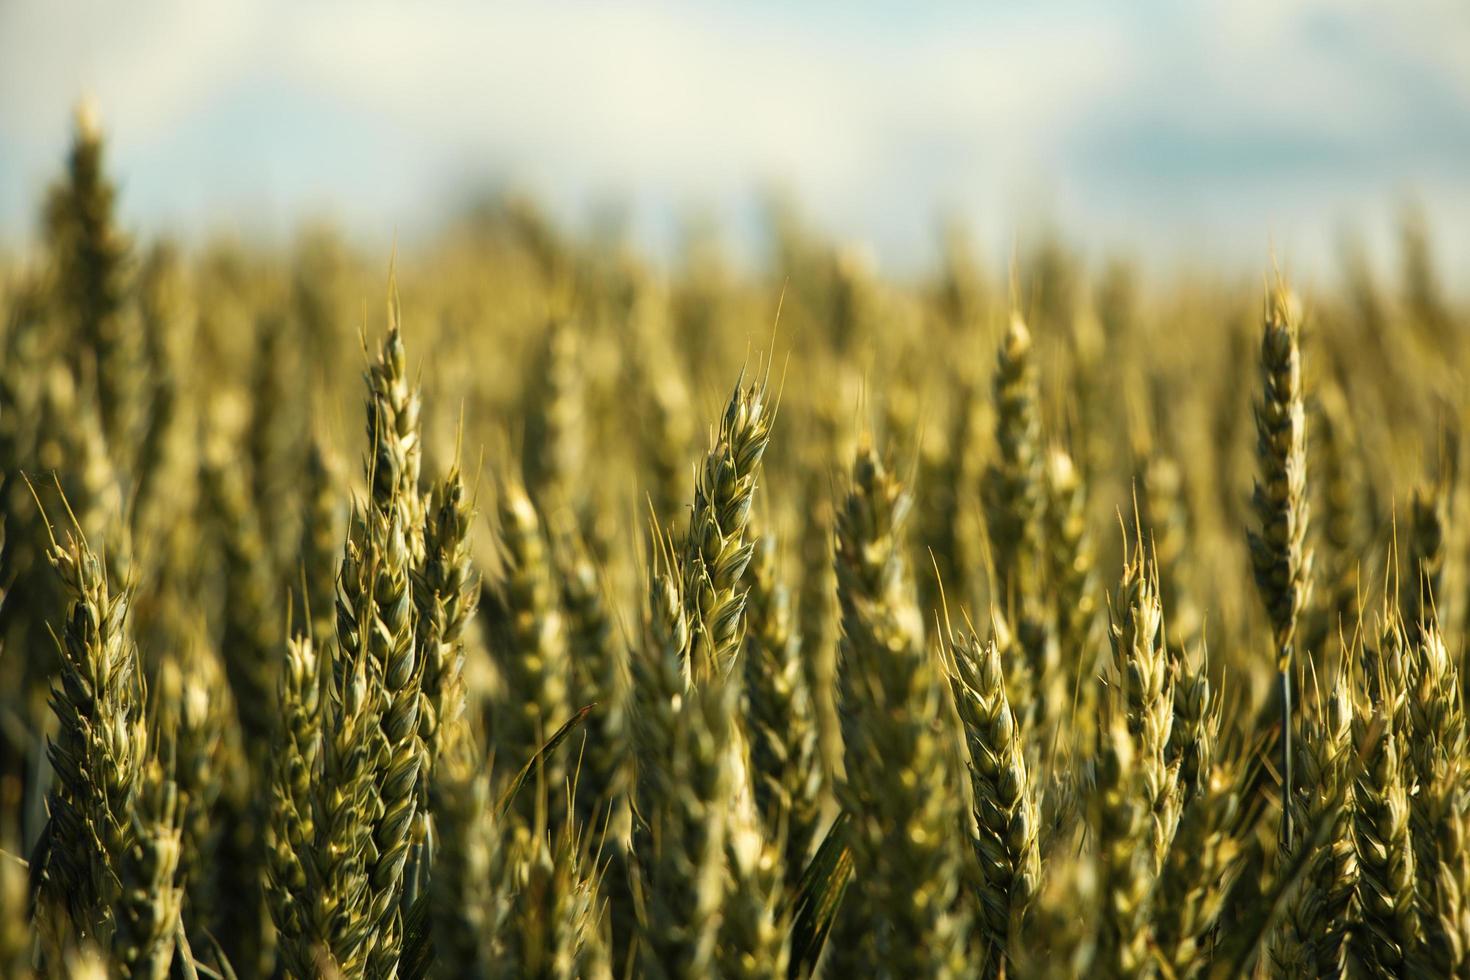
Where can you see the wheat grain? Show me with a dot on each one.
(1195, 729)
(1014, 497)
(395, 674)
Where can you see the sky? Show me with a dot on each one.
(1178, 132)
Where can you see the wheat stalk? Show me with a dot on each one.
(395, 672)
(657, 669)
(337, 928)
(817, 621)
(948, 477)
(273, 438)
(250, 629)
(670, 433)
(1343, 496)
(1164, 521)
(1280, 557)
(368, 792)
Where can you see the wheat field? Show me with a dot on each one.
(523, 608)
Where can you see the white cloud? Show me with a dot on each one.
(872, 117)
(151, 64)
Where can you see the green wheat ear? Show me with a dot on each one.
(1004, 799)
(99, 754)
(1144, 686)
(900, 764)
(780, 714)
(95, 285)
(1422, 587)
(534, 658)
(1280, 556)
(718, 552)
(146, 914)
(1014, 492)
(446, 590)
